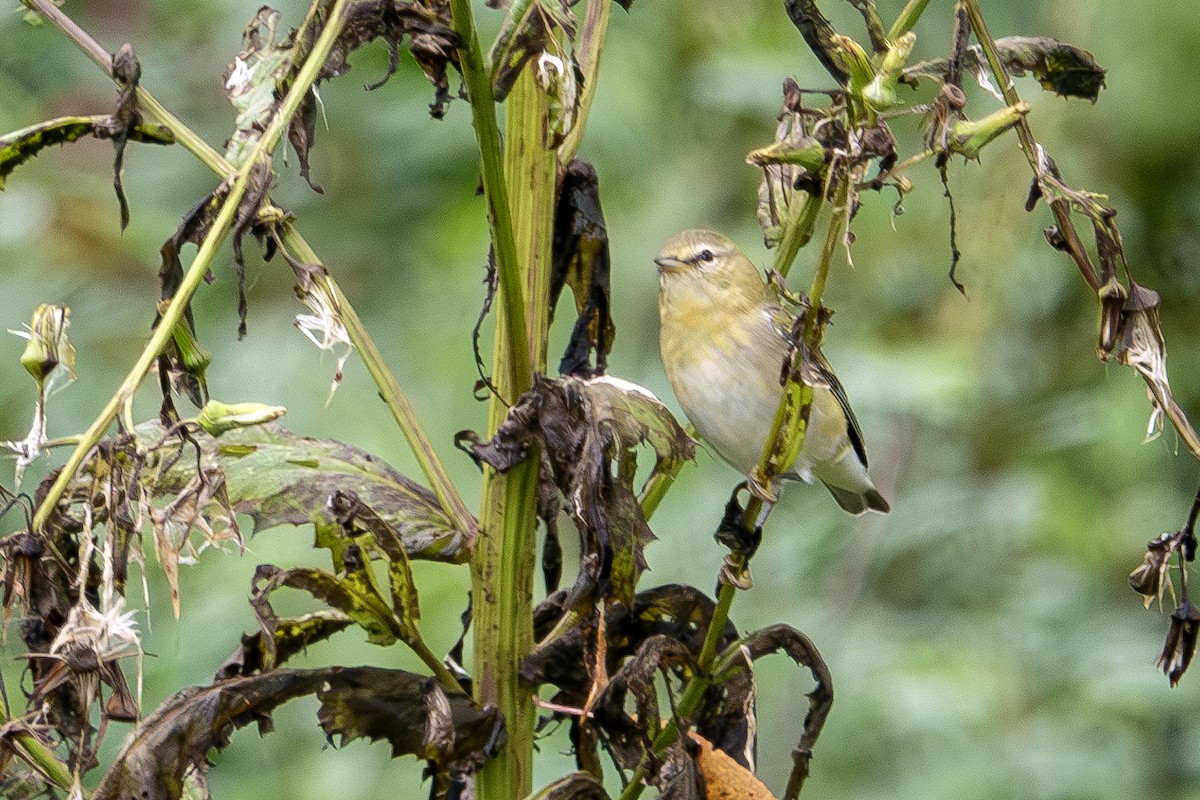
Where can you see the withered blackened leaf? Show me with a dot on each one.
(291, 636)
(414, 715)
(256, 192)
(581, 261)
(1180, 646)
(128, 72)
(576, 786)
(678, 776)
(585, 427)
(680, 612)
(1059, 67)
(627, 733)
(280, 478)
(179, 734)
(19, 146)
(432, 41)
(801, 650)
(818, 35)
(192, 229)
(365, 701)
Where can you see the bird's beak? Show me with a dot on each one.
(667, 262)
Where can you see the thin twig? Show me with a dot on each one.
(1060, 209)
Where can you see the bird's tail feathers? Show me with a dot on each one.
(857, 503)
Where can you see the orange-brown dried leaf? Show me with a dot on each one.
(726, 779)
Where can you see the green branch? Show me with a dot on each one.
(389, 389)
(1061, 210)
(173, 314)
(519, 365)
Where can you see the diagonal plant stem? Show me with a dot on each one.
(173, 313)
(184, 135)
(389, 389)
(1061, 210)
(907, 18)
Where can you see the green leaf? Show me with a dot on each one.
(353, 515)
(280, 478)
(19, 146)
(254, 83)
(352, 595)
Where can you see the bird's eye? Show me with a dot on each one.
(706, 255)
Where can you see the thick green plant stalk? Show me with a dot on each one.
(502, 570)
(503, 608)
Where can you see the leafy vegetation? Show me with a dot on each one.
(628, 669)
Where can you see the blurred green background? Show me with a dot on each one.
(982, 637)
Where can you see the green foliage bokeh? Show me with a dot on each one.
(982, 637)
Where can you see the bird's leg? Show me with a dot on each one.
(733, 533)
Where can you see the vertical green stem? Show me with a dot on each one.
(530, 169)
(505, 562)
(518, 369)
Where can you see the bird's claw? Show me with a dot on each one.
(734, 534)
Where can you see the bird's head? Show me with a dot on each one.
(706, 259)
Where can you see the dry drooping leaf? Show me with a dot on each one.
(369, 702)
(581, 261)
(1061, 68)
(724, 778)
(585, 429)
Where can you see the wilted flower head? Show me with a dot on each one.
(48, 357)
(324, 326)
(1147, 578)
(49, 353)
(1181, 641)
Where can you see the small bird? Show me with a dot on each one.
(724, 339)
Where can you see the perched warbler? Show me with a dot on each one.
(724, 339)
